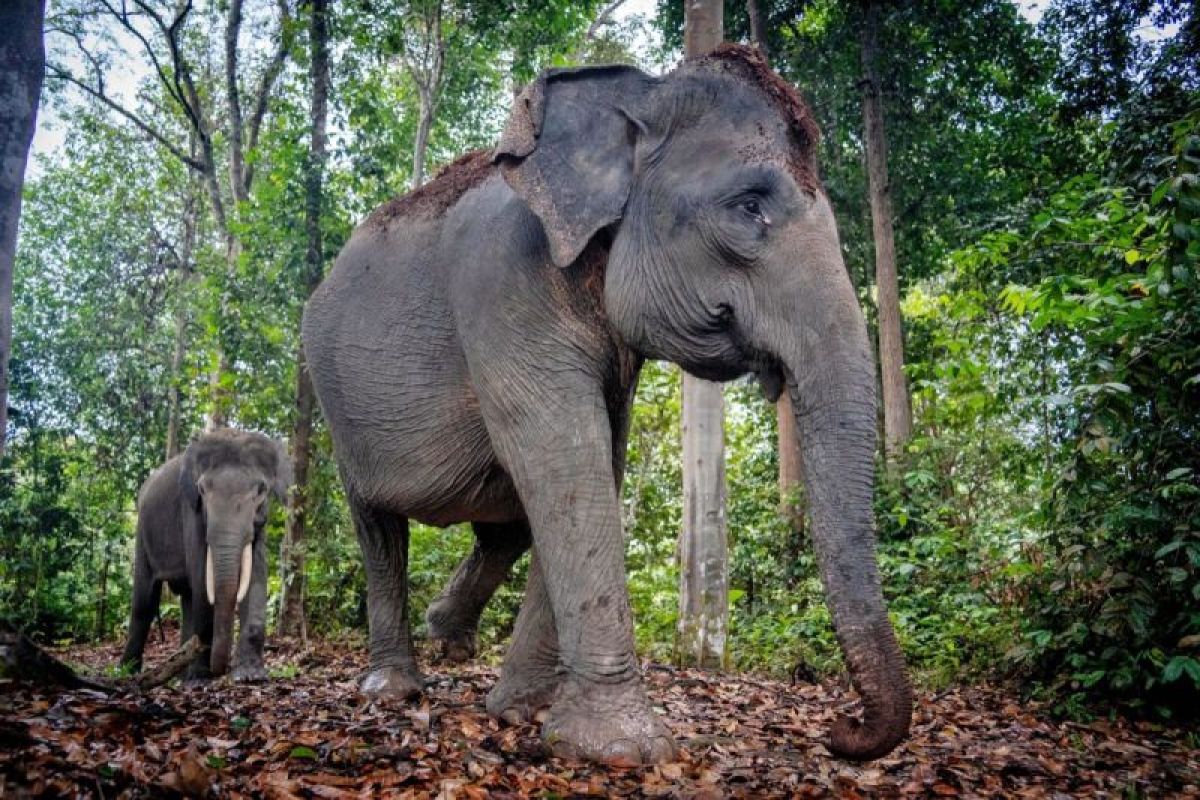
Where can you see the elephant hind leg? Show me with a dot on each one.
(383, 538)
(453, 618)
(532, 672)
(147, 592)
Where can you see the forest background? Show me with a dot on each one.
(1040, 525)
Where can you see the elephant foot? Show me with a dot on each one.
(198, 673)
(250, 673)
(456, 641)
(397, 683)
(612, 725)
(454, 649)
(518, 699)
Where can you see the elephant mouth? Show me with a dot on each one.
(770, 376)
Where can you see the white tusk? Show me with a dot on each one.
(244, 582)
(210, 581)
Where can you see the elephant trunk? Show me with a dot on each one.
(227, 579)
(831, 381)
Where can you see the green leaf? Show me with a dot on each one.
(301, 751)
(1132, 256)
(1178, 665)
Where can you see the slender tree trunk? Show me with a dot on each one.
(22, 66)
(421, 142)
(292, 621)
(758, 27)
(897, 410)
(183, 317)
(427, 75)
(703, 547)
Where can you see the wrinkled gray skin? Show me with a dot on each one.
(215, 495)
(477, 363)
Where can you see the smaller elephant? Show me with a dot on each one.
(200, 531)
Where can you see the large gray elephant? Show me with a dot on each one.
(200, 531)
(476, 347)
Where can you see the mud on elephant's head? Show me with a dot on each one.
(227, 479)
(725, 259)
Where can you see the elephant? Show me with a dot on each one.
(476, 346)
(200, 531)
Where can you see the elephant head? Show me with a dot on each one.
(725, 259)
(226, 479)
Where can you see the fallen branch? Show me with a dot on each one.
(167, 670)
(21, 659)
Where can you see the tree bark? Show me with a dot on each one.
(187, 275)
(703, 547)
(292, 621)
(897, 409)
(22, 67)
(758, 28)
(426, 70)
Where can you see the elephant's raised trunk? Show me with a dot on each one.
(227, 580)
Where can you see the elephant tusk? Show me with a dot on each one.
(210, 581)
(244, 582)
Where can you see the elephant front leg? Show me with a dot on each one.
(560, 460)
(383, 537)
(453, 617)
(531, 674)
(248, 663)
(147, 593)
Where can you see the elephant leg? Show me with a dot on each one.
(248, 665)
(453, 617)
(531, 673)
(147, 593)
(383, 538)
(200, 625)
(560, 458)
(185, 610)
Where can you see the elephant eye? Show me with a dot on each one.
(753, 206)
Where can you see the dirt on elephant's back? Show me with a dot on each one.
(451, 182)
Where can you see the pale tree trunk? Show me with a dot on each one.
(758, 28)
(183, 316)
(421, 143)
(897, 410)
(292, 621)
(426, 67)
(22, 66)
(703, 548)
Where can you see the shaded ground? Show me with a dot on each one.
(306, 734)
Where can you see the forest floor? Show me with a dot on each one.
(307, 734)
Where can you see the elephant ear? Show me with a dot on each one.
(188, 475)
(568, 150)
(283, 471)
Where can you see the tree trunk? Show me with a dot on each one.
(22, 66)
(291, 606)
(703, 546)
(703, 549)
(758, 28)
(897, 411)
(426, 73)
(421, 143)
(187, 275)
